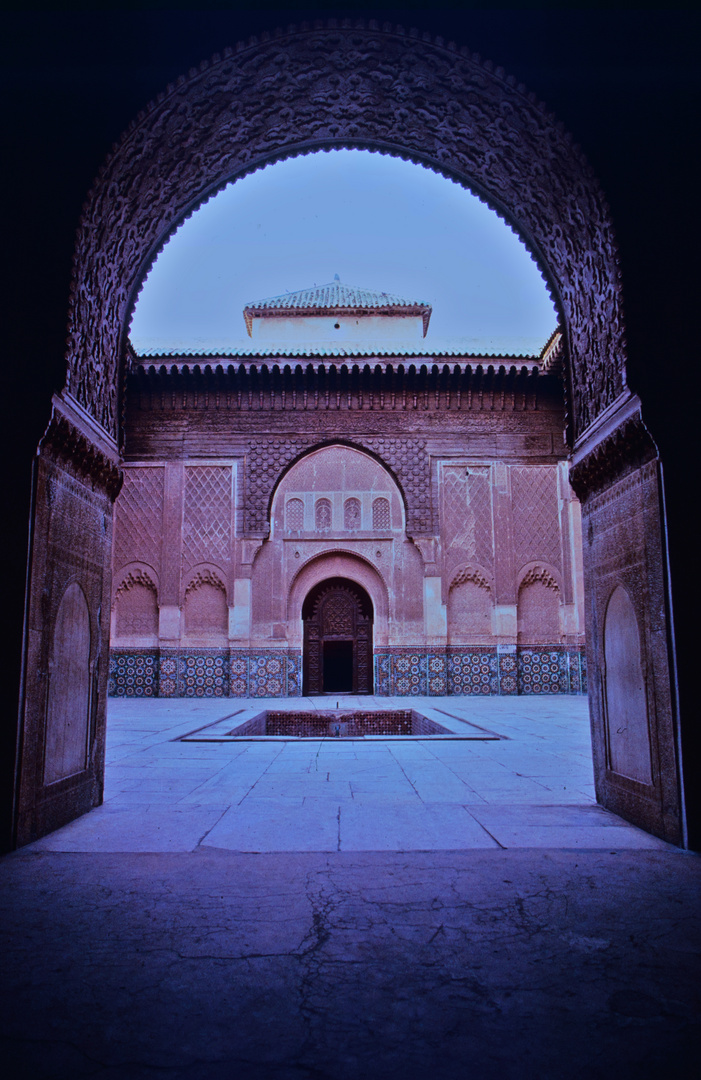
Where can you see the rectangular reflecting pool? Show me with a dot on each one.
(349, 723)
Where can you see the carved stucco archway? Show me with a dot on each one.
(310, 89)
(328, 87)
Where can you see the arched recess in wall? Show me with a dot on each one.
(538, 608)
(624, 681)
(470, 608)
(340, 489)
(205, 610)
(135, 616)
(68, 712)
(339, 564)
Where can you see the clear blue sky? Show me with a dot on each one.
(377, 222)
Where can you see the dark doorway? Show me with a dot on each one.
(338, 667)
(338, 617)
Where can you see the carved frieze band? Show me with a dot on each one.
(69, 446)
(628, 447)
(310, 88)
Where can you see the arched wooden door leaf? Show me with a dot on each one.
(338, 619)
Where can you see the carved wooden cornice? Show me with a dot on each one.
(79, 454)
(338, 384)
(614, 456)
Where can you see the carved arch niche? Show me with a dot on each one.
(625, 694)
(68, 712)
(470, 608)
(135, 610)
(538, 608)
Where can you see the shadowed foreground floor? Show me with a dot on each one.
(215, 965)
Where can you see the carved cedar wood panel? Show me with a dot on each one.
(311, 88)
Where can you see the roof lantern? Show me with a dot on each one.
(339, 300)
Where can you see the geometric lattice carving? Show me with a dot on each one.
(207, 514)
(338, 614)
(535, 514)
(467, 513)
(322, 514)
(294, 515)
(139, 516)
(410, 463)
(351, 514)
(265, 462)
(381, 520)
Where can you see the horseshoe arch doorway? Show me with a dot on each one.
(479, 128)
(338, 617)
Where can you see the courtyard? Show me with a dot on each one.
(519, 774)
(339, 909)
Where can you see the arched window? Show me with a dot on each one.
(322, 514)
(295, 515)
(351, 514)
(380, 515)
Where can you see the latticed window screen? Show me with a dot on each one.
(295, 514)
(322, 514)
(380, 514)
(351, 514)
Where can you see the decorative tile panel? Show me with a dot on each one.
(402, 672)
(473, 671)
(543, 670)
(133, 674)
(203, 674)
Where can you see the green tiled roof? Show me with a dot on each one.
(337, 297)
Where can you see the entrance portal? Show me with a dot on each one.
(337, 616)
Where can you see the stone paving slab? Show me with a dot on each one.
(460, 965)
(163, 794)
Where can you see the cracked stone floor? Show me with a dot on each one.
(339, 910)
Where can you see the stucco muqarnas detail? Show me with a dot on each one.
(307, 89)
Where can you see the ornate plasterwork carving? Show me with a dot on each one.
(205, 576)
(627, 448)
(471, 573)
(323, 87)
(135, 577)
(542, 574)
(86, 461)
(405, 459)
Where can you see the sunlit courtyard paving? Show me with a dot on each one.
(530, 787)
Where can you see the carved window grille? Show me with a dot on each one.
(351, 514)
(322, 515)
(295, 515)
(380, 515)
